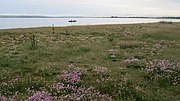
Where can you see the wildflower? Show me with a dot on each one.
(132, 60)
(3, 98)
(100, 69)
(40, 96)
(163, 69)
(71, 77)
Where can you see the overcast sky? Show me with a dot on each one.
(92, 7)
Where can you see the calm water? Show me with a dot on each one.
(8, 23)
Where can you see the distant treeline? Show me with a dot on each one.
(147, 17)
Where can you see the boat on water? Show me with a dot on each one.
(72, 21)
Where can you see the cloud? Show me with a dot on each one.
(92, 7)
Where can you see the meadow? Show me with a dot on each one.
(128, 62)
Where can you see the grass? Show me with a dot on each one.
(37, 57)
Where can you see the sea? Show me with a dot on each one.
(12, 23)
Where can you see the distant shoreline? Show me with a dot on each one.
(37, 27)
(13, 16)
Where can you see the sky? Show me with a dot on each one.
(91, 7)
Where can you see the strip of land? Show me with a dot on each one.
(42, 16)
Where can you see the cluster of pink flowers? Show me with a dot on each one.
(103, 79)
(3, 98)
(73, 77)
(134, 63)
(80, 93)
(100, 69)
(162, 65)
(163, 69)
(113, 53)
(40, 96)
(132, 60)
(67, 89)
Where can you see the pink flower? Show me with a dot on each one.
(40, 96)
(71, 77)
(100, 70)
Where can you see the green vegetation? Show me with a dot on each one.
(126, 62)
